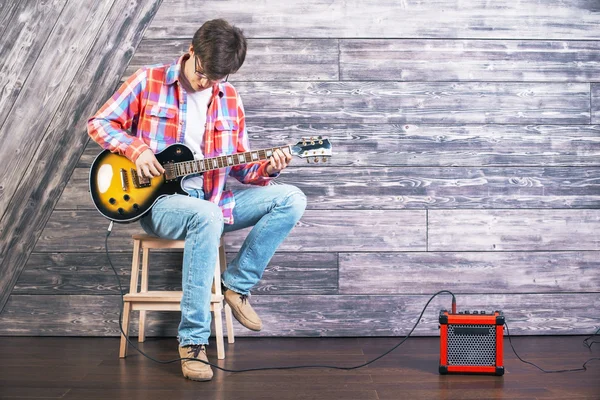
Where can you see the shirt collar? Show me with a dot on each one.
(175, 69)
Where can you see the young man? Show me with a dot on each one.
(190, 101)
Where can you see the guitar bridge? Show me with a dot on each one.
(139, 181)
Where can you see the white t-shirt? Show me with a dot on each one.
(197, 107)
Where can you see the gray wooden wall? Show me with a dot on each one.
(466, 157)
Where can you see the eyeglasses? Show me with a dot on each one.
(200, 74)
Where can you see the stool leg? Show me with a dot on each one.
(144, 289)
(218, 318)
(229, 323)
(142, 329)
(126, 312)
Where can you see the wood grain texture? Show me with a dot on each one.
(470, 60)
(528, 19)
(309, 316)
(391, 145)
(469, 272)
(90, 273)
(7, 11)
(58, 62)
(513, 230)
(114, 41)
(416, 102)
(317, 231)
(595, 116)
(418, 187)
(24, 27)
(266, 59)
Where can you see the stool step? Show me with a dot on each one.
(165, 296)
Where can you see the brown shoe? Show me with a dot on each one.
(195, 370)
(242, 310)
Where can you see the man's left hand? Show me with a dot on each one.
(279, 161)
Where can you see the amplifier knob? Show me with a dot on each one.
(112, 200)
(121, 211)
(135, 206)
(126, 197)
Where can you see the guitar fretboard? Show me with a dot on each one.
(207, 164)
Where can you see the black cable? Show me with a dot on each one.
(583, 367)
(264, 368)
(589, 345)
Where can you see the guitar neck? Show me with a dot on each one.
(184, 168)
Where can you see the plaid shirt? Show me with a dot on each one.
(149, 112)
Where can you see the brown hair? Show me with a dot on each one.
(221, 48)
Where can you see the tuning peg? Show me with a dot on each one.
(324, 159)
(316, 159)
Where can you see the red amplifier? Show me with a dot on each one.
(471, 342)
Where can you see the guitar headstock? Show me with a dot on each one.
(313, 148)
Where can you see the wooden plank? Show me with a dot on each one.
(470, 60)
(595, 116)
(266, 59)
(90, 273)
(309, 316)
(25, 28)
(317, 231)
(513, 230)
(65, 137)
(7, 11)
(466, 272)
(416, 102)
(419, 187)
(37, 102)
(389, 145)
(527, 19)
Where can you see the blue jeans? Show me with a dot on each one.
(273, 210)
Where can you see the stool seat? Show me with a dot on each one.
(143, 300)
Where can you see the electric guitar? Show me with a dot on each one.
(121, 195)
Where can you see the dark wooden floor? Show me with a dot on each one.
(89, 368)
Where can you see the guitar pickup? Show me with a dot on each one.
(169, 171)
(124, 181)
(139, 181)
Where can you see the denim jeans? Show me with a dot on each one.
(273, 210)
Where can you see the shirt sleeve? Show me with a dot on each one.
(111, 126)
(252, 173)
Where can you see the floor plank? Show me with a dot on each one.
(410, 372)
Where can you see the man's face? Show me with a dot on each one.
(196, 75)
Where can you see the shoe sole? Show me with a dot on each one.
(198, 379)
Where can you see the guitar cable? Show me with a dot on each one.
(121, 306)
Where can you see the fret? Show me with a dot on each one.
(229, 160)
(254, 156)
(269, 153)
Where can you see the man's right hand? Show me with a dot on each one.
(148, 166)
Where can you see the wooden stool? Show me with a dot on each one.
(169, 300)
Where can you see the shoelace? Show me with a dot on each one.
(244, 298)
(195, 349)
